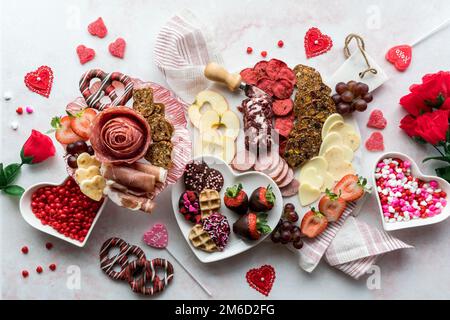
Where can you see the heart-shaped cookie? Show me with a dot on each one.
(261, 279)
(157, 237)
(117, 48)
(40, 81)
(400, 56)
(31, 219)
(316, 43)
(375, 142)
(377, 120)
(93, 99)
(98, 28)
(85, 54)
(415, 173)
(250, 181)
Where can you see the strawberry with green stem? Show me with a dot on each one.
(252, 226)
(63, 132)
(236, 199)
(332, 205)
(351, 187)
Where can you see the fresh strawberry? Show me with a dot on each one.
(63, 133)
(236, 199)
(313, 223)
(81, 122)
(332, 206)
(351, 187)
(252, 226)
(262, 199)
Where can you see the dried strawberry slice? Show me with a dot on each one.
(265, 85)
(284, 125)
(273, 68)
(249, 76)
(287, 74)
(282, 107)
(260, 70)
(282, 89)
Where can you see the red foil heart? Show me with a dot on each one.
(316, 43)
(400, 56)
(261, 279)
(40, 81)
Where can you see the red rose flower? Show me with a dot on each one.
(408, 124)
(433, 92)
(433, 126)
(37, 148)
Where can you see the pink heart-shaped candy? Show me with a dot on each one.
(400, 57)
(157, 236)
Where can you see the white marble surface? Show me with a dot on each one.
(47, 32)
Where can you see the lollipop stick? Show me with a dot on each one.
(432, 32)
(190, 274)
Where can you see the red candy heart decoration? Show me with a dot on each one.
(375, 142)
(117, 48)
(316, 43)
(377, 120)
(400, 57)
(98, 28)
(157, 236)
(85, 54)
(261, 279)
(40, 81)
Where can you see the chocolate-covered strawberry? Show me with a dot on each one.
(236, 199)
(262, 199)
(252, 226)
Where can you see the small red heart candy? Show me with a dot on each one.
(98, 28)
(40, 81)
(375, 142)
(377, 120)
(85, 54)
(261, 279)
(400, 57)
(316, 43)
(117, 48)
(157, 236)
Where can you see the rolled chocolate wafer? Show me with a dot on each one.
(108, 263)
(148, 270)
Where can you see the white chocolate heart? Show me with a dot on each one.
(85, 160)
(93, 188)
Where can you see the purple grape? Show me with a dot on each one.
(298, 244)
(341, 87)
(286, 226)
(336, 98)
(347, 96)
(275, 237)
(286, 236)
(291, 216)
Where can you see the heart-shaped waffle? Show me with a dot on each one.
(94, 99)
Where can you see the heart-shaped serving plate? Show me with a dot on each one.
(415, 171)
(250, 182)
(28, 215)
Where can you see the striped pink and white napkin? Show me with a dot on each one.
(349, 245)
(183, 48)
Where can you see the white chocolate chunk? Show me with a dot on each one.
(82, 174)
(338, 166)
(85, 160)
(93, 188)
(311, 177)
(332, 139)
(349, 136)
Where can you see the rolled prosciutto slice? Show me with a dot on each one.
(159, 173)
(129, 201)
(120, 136)
(129, 177)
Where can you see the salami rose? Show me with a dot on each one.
(120, 136)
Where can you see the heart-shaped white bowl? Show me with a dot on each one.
(415, 171)
(28, 215)
(250, 182)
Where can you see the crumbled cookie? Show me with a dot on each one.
(143, 96)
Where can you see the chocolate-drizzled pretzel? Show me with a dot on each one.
(148, 283)
(107, 263)
(93, 100)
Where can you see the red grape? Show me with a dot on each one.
(341, 87)
(347, 96)
(360, 105)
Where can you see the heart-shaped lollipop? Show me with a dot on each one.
(400, 56)
(157, 236)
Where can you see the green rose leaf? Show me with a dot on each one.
(11, 172)
(14, 190)
(444, 173)
(25, 160)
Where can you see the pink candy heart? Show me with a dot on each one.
(400, 57)
(157, 236)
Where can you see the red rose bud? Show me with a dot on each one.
(37, 148)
